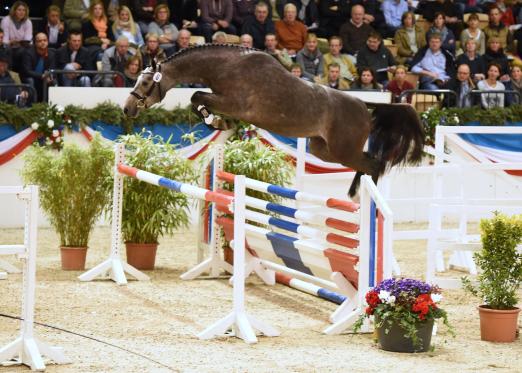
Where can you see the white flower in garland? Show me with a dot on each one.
(56, 133)
(35, 126)
(59, 109)
(50, 123)
(58, 139)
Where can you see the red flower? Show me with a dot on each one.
(422, 305)
(372, 298)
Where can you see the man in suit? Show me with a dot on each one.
(73, 56)
(36, 61)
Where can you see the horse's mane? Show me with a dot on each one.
(191, 49)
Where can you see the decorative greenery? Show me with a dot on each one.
(500, 262)
(75, 187)
(150, 211)
(49, 127)
(404, 302)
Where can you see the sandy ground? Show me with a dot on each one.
(160, 319)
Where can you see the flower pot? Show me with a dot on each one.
(73, 258)
(141, 255)
(498, 325)
(396, 341)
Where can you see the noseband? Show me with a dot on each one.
(156, 78)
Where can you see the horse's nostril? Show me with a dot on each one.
(125, 110)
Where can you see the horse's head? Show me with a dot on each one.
(147, 91)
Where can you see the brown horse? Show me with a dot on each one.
(253, 86)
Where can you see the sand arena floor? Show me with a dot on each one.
(160, 319)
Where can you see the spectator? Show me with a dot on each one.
(259, 25)
(115, 59)
(462, 85)
(333, 78)
(113, 8)
(246, 41)
(18, 29)
(307, 12)
(166, 31)
(189, 16)
(242, 10)
(348, 69)
(439, 26)
(219, 37)
(297, 71)
(452, 13)
(36, 62)
(515, 84)
(97, 30)
(495, 53)
(393, 11)
(151, 50)
(506, 13)
(373, 14)
(399, 84)
(434, 64)
(474, 61)
(54, 28)
(143, 12)
(73, 56)
(290, 32)
(495, 28)
(75, 13)
(491, 83)
(132, 71)
(5, 50)
(366, 80)
(409, 39)
(11, 95)
(183, 41)
(376, 56)
(279, 54)
(311, 59)
(355, 31)
(124, 25)
(216, 15)
(473, 32)
(332, 14)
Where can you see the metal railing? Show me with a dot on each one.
(54, 72)
(23, 87)
(476, 96)
(423, 99)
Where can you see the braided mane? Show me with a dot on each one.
(191, 49)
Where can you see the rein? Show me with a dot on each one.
(156, 78)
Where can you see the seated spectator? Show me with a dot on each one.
(474, 61)
(75, 13)
(506, 13)
(348, 69)
(259, 25)
(216, 15)
(97, 30)
(132, 72)
(462, 85)
(183, 41)
(515, 84)
(491, 83)
(279, 54)
(11, 95)
(409, 39)
(166, 31)
(124, 25)
(151, 50)
(242, 10)
(113, 8)
(36, 62)
(246, 41)
(73, 56)
(475, 33)
(333, 78)
(366, 80)
(495, 28)
(115, 59)
(399, 84)
(297, 71)
(377, 57)
(5, 50)
(18, 31)
(393, 11)
(291, 33)
(311, 59)
(219, 37)
(143, 12)
(189, 16)
(373, 14)
(332, 14)
(439, 27)
(495, 53)
(434, 64)
(355, 31)
(54, 28)
(307, 12)
(452, 13)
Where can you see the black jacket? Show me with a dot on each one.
(455, 85)
(30, 59)
(90, 35)
(477, 66)
(377, 60)
(257, 30)
(63, 57)
(62, 36)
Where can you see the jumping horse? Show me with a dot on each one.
(253, 86)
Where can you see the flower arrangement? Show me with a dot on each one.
(49, 127)
(406, 303)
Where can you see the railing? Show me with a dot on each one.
(423, 99)
(476, 96)
(23, 87)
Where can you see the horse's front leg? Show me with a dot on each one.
(203, 103)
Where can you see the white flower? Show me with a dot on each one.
(456, 119)
(384, 295)
(58, 139)
(56, 133)
(50, 123)
(59, 109)
(48, 141)
(35, 126)
(391, 299)
(436, 297)
(69, 121)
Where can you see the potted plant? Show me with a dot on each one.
(150, 211)
(75, 187)
(404, 311)
(499, 280)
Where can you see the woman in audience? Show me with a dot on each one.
(311, 59)
(132, 71)
(515, 85)
(473, 32)
(18, 29)
(167, 32)
(491, 83)
(474, 60)
(151, 50)
(97, 30)
(447, 37)
(409, 39)
(366, 80)
(399, 84)
(495, 53)
(125, 25)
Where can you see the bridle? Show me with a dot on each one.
(156, 78)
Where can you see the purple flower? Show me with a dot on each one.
(403, 286)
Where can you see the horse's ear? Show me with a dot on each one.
(153, 63)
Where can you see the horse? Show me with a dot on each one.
(252, 86)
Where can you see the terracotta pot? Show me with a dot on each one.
(498, 325)
(141, 255)
(73, 258)
(395, 340)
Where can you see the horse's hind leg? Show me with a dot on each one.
(203, 103)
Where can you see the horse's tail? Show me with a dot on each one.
(396, 138)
